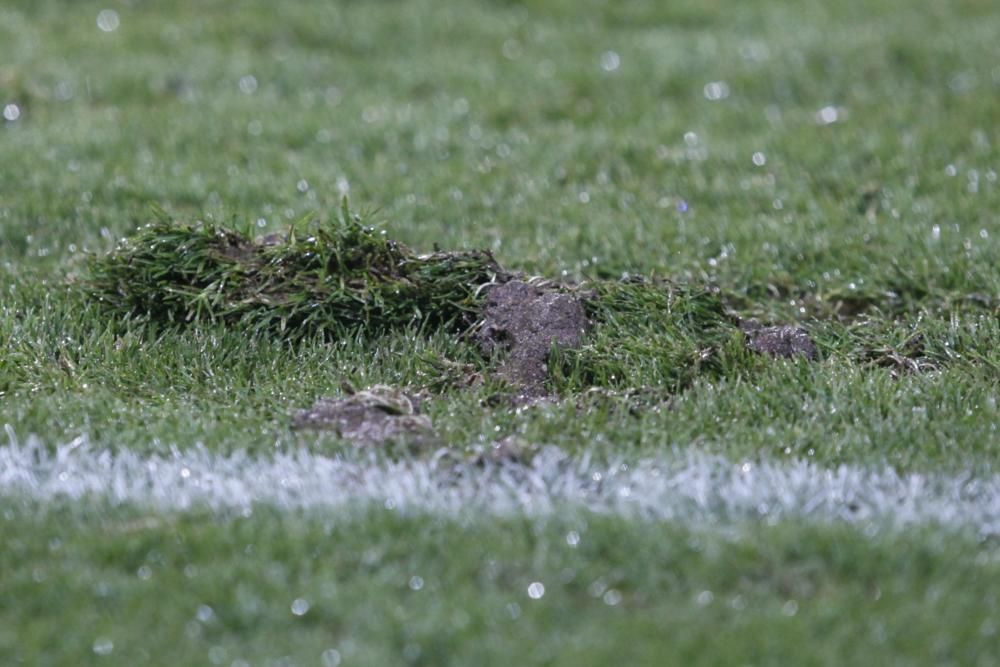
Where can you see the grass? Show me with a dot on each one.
(834, 167)
(320, 279)
(647, 594)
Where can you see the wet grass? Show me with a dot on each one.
(277, 589)
(832, 166)
(331, 280)
(652, 335)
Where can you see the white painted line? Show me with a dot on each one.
(687, 487)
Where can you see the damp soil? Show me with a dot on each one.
(780, 341)
(371, 418)
(523, 322)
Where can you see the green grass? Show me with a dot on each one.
(645, 594)
(314, 280)
(573, 140)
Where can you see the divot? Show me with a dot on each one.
(526, 321)
(371, 418)
(784, 340)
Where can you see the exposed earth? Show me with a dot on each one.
(527, 321)
(370, 417)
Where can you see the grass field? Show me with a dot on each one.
(832, 166)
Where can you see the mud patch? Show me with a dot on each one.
(371, 418)
(526, 321)
(782, 341)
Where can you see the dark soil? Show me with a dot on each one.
(779, 341)
(526, 321)
(372, 417)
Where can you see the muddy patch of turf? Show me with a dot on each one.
(779, 341)
(370, 418)
(526, 322)
(344, 277)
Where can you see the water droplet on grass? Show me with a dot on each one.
(11, 112)
(536, 590)
(416, 583)
(205, 614)
(610, 61)
(107, 20)
(248, 84)
(716, 90)
(330, 657)
(828, 115)
(103, 646)
(759, 159)
(300, 606)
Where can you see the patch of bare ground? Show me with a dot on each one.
(524, 322)
(371, 417)
(785, 340)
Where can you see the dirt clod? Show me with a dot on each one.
(372, 417)
(527, 321)
(779, 341)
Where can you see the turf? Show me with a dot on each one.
(317, 280)
(688, 163)
(459, 594)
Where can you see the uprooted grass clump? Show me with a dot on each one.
(328, 278)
